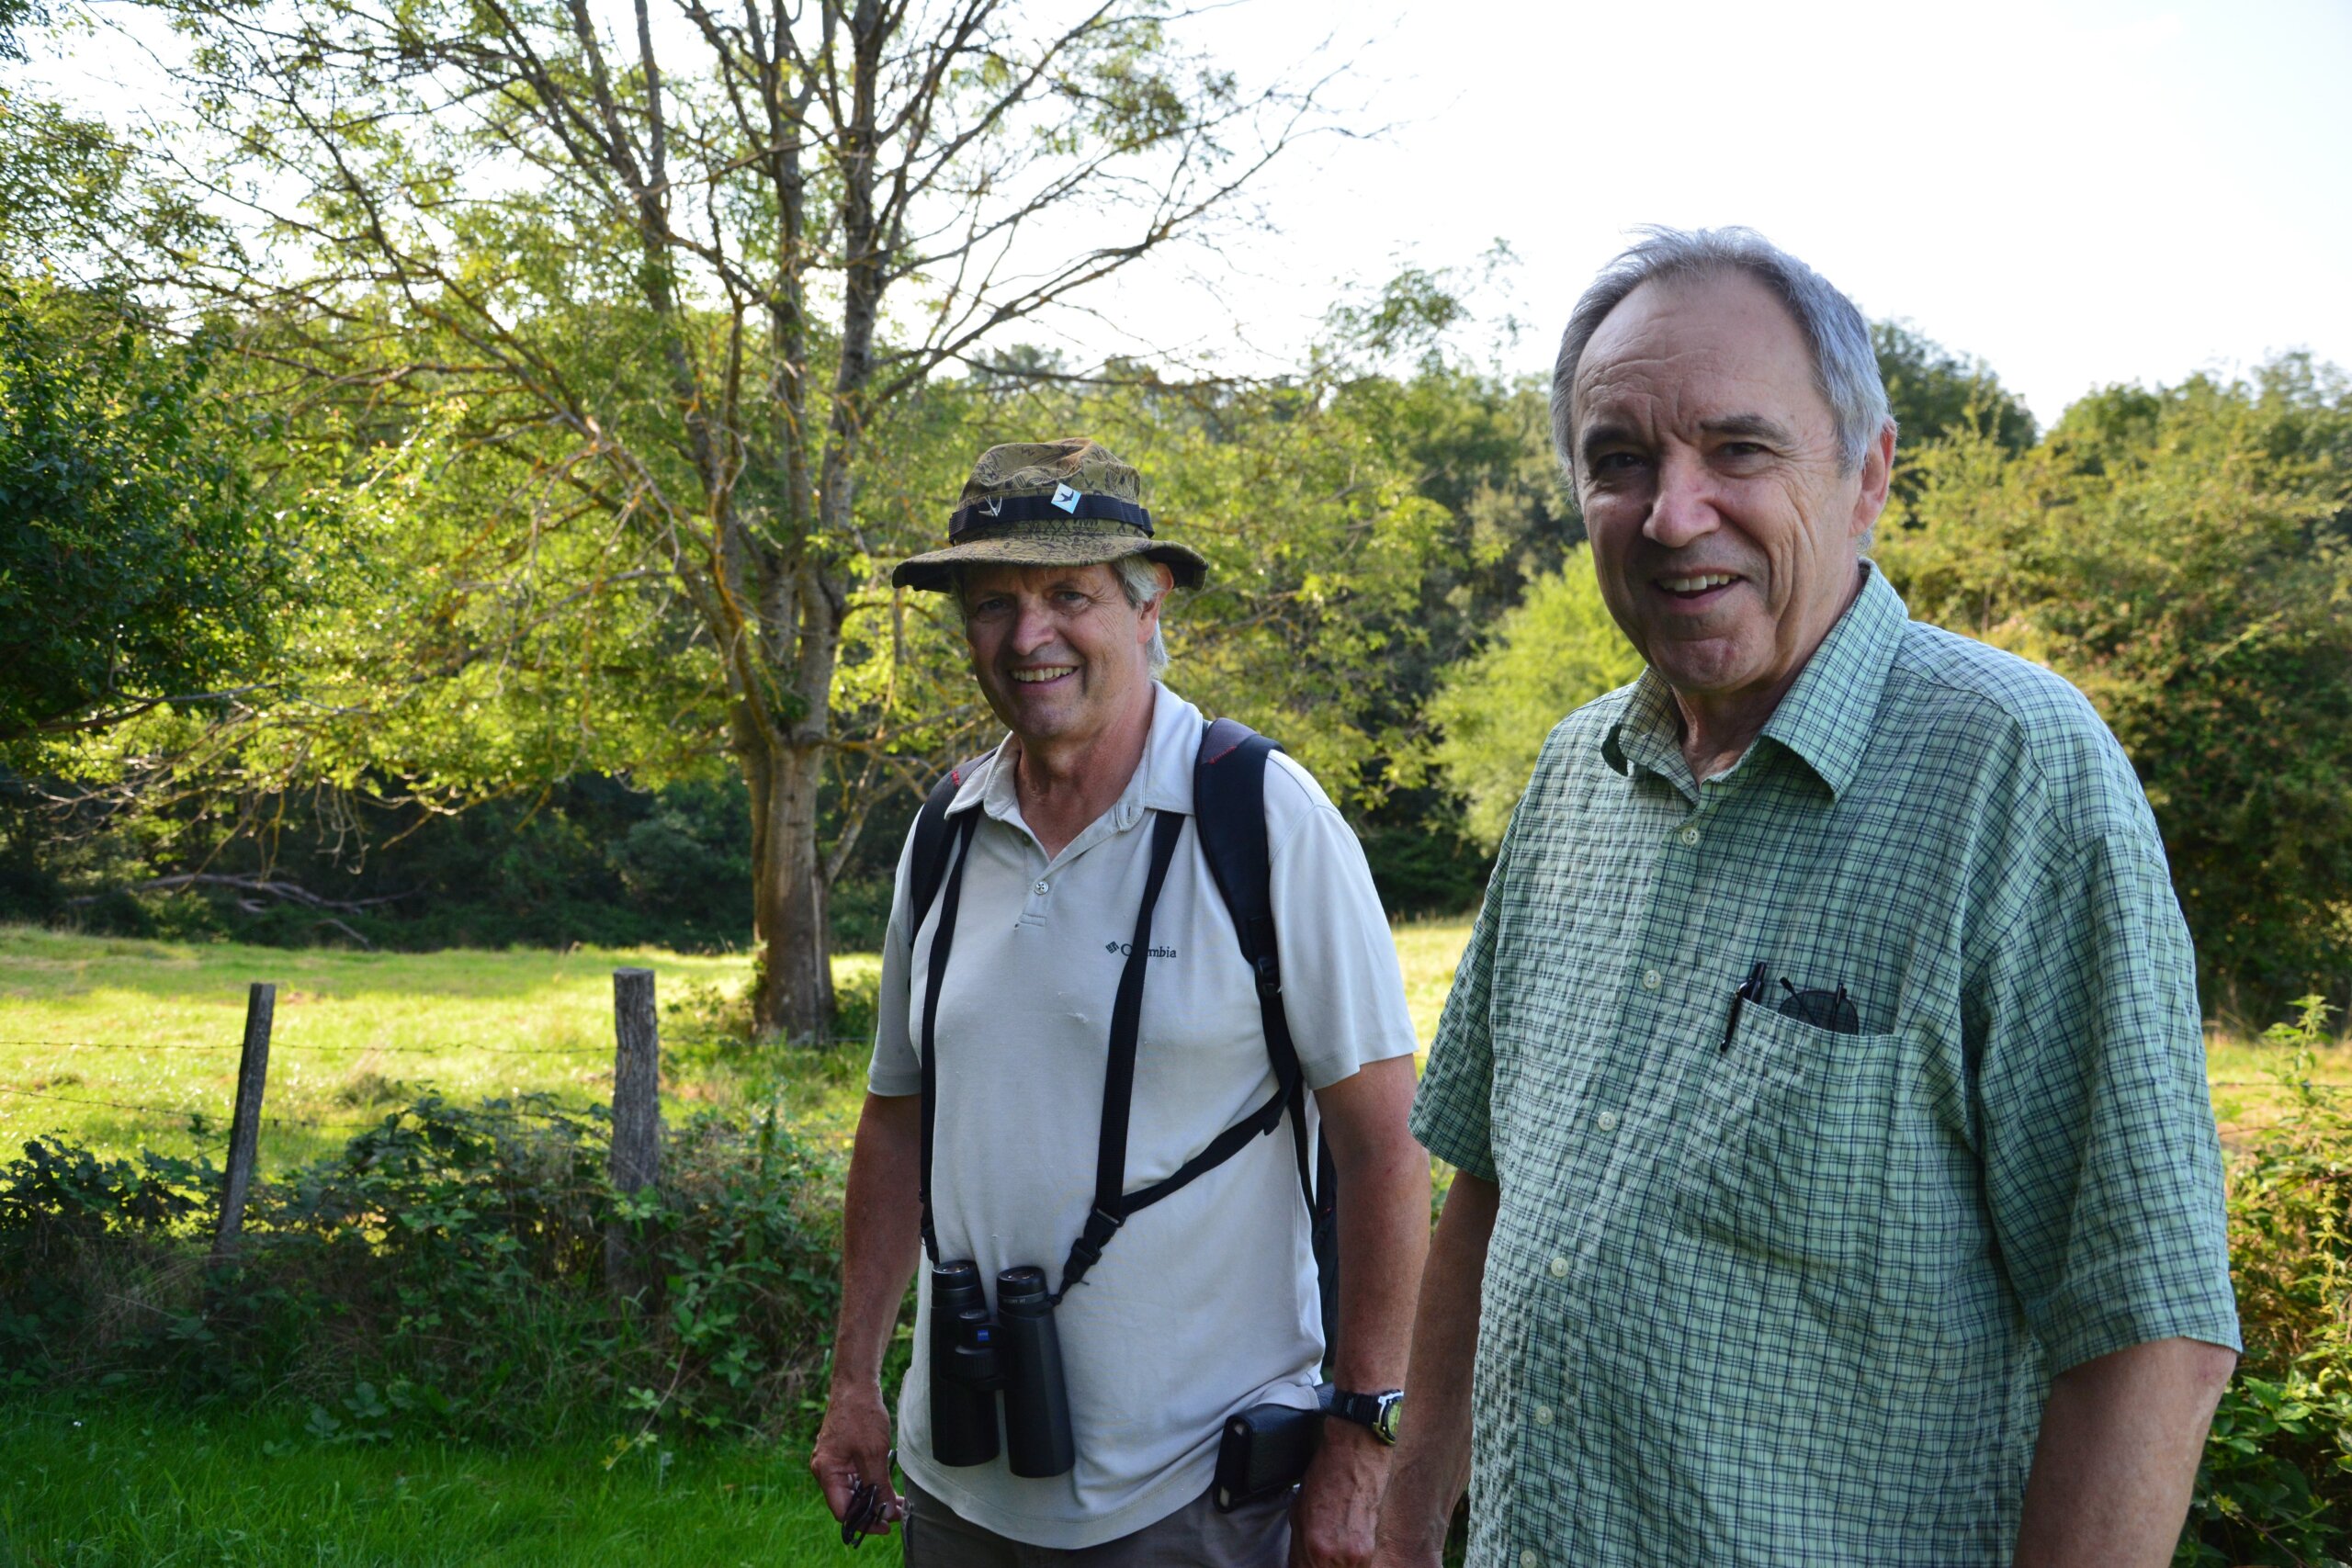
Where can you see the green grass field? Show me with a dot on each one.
(89, 1026)
(125, 1045)
(135, 1043)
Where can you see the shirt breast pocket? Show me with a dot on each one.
(1786, 1160)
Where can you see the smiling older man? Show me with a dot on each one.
(1825, 1074)
(1010, 991)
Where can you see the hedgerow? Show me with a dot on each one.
(445, 1271)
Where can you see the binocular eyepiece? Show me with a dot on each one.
(974, 1356)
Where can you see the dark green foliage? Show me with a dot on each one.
(1934, 394)
(443, 1274)
(133, 567)
(1423, 861)
(589, 860)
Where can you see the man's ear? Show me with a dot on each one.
(1878, 475)
(1148, 621)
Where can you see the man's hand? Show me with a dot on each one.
(881, 1240)
(854, 1445)
(1339, 1503)
(1432, 1460)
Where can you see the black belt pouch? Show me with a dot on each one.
(1265, 1449)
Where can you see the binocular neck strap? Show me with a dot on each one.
(1111, 1208)
(1113, 1204)
(940, 941)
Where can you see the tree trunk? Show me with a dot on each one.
(792, 991)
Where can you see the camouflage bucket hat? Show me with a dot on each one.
(1048, 503)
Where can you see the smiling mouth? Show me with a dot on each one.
(1044, 673)
(1698, 585)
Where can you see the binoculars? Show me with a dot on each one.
(974, 1356)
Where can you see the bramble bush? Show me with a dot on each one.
(444, 1273)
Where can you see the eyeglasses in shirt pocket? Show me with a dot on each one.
(1785, 1157)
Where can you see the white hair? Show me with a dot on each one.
(1140, 579)
(1845, 366)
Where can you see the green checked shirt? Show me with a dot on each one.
(1797, 1299)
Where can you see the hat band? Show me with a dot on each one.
(1043, 508)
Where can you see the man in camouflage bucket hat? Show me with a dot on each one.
(1204, 1304)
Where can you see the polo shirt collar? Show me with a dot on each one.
(1825, 719)
(1162, 780)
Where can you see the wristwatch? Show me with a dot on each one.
(1378, 1411)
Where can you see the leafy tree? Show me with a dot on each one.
(1935, 394)
(2185, 556)
(695, 306)
(134, 571)
(1558, 650)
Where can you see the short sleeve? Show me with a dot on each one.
(2103, 1168)
(895, 1070)
(1452, 1109)
(1343, 992)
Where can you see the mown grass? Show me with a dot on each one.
(91, 1025)
(96, 1485)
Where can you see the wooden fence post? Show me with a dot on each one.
(637, 1117)
(244, 1123)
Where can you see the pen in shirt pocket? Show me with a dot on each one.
(1748, 990)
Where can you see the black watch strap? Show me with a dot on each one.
(1378, 1411)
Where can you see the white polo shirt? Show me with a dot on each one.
(1204, 1303)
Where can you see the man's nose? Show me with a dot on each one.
(1684, 509)
(1033, 626)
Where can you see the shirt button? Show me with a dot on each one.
(1559, 1268)
(1543, 1414)
(1527, 1559)
(1651, 979)
(1039, 890)
(1606, 1121)
(1690, 835)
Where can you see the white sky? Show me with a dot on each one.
(2079, 191)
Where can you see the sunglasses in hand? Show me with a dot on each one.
(865, 1508)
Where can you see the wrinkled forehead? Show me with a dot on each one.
(1696, 345)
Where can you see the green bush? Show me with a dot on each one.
(444, 1273)
(2276, 1483)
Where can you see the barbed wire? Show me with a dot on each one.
(222, 1119)
(297, 1124)
(279, 1046)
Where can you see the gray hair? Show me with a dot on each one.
(1138, 578)
(1845, 367)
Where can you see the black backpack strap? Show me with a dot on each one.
(1229, 806)
(938, 840)
(956, 842)
(931, 847)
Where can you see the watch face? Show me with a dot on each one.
(1385, 1423)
